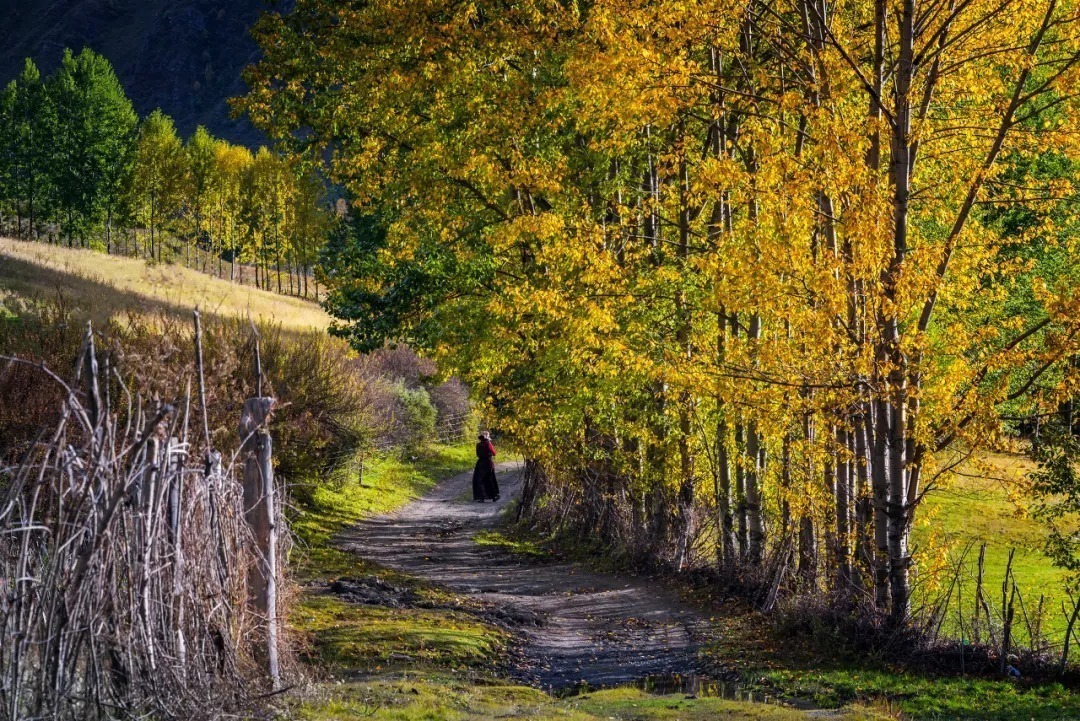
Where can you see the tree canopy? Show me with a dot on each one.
(739, 271)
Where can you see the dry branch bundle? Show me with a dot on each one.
(124, 554)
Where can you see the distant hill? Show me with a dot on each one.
(183, 56)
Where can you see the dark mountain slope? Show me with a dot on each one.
(183, 56)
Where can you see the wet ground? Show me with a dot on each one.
(583, 627)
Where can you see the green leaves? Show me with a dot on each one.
(91, 133)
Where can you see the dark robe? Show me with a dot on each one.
(484, 484)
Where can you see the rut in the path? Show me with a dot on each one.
(600, 629)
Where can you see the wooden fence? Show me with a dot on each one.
(138, 565)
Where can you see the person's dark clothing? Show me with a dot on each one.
(484, 483)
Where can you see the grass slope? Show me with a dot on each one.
(105, 285)
(983, 504)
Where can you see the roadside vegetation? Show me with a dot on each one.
(767, 331)
(779, 302)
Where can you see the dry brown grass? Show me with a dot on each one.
(103, 286)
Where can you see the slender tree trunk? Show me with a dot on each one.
(726, 551)
(742, 527)
(897, 393)
(865, 517)
(843, 510)
(807, 537)
(754, 515)
(879, 478)
(686, 461)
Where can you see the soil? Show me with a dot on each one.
(576, 626)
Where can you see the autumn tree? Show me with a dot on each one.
(232, 165)
(200, 160)
(160, 175)
(690, 246)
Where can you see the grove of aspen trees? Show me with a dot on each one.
(79, 167)
(744, 280)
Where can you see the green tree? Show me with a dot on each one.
(160, 175)
(415, 417)
(91, 144)
(7, 151)
(198, 195)
(27, 155)
(1056, 490)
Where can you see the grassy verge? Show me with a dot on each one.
(349, 639)
(513, 543)
(463, 700)
(742, 641)
(920, 697)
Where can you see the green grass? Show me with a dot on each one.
(449, 699)
(983, 504)
(103, 286)
(741, 641)
(921, 697)
(345, 637)
(519, 546)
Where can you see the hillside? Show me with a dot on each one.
(183, 56)
(105, 284)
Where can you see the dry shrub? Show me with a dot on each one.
(402, 389)
(29, 400)
(398, 363)
(123, 559)
(454, 409)
(323, 414)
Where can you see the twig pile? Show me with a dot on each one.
(123, 558)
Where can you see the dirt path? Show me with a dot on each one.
(602, 629)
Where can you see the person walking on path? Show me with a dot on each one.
(484, 483)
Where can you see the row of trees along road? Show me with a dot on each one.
(745, 279)
(78, 165)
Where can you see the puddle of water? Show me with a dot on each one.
(690, 684)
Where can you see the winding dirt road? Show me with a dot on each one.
(601, 629)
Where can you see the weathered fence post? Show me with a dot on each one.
(260, 513)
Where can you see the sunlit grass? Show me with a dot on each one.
(358, 639)
(923, 697)
(106, 285)
(519, 546)
(461, 699)
(984, 504)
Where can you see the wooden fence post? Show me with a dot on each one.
(260, 513)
